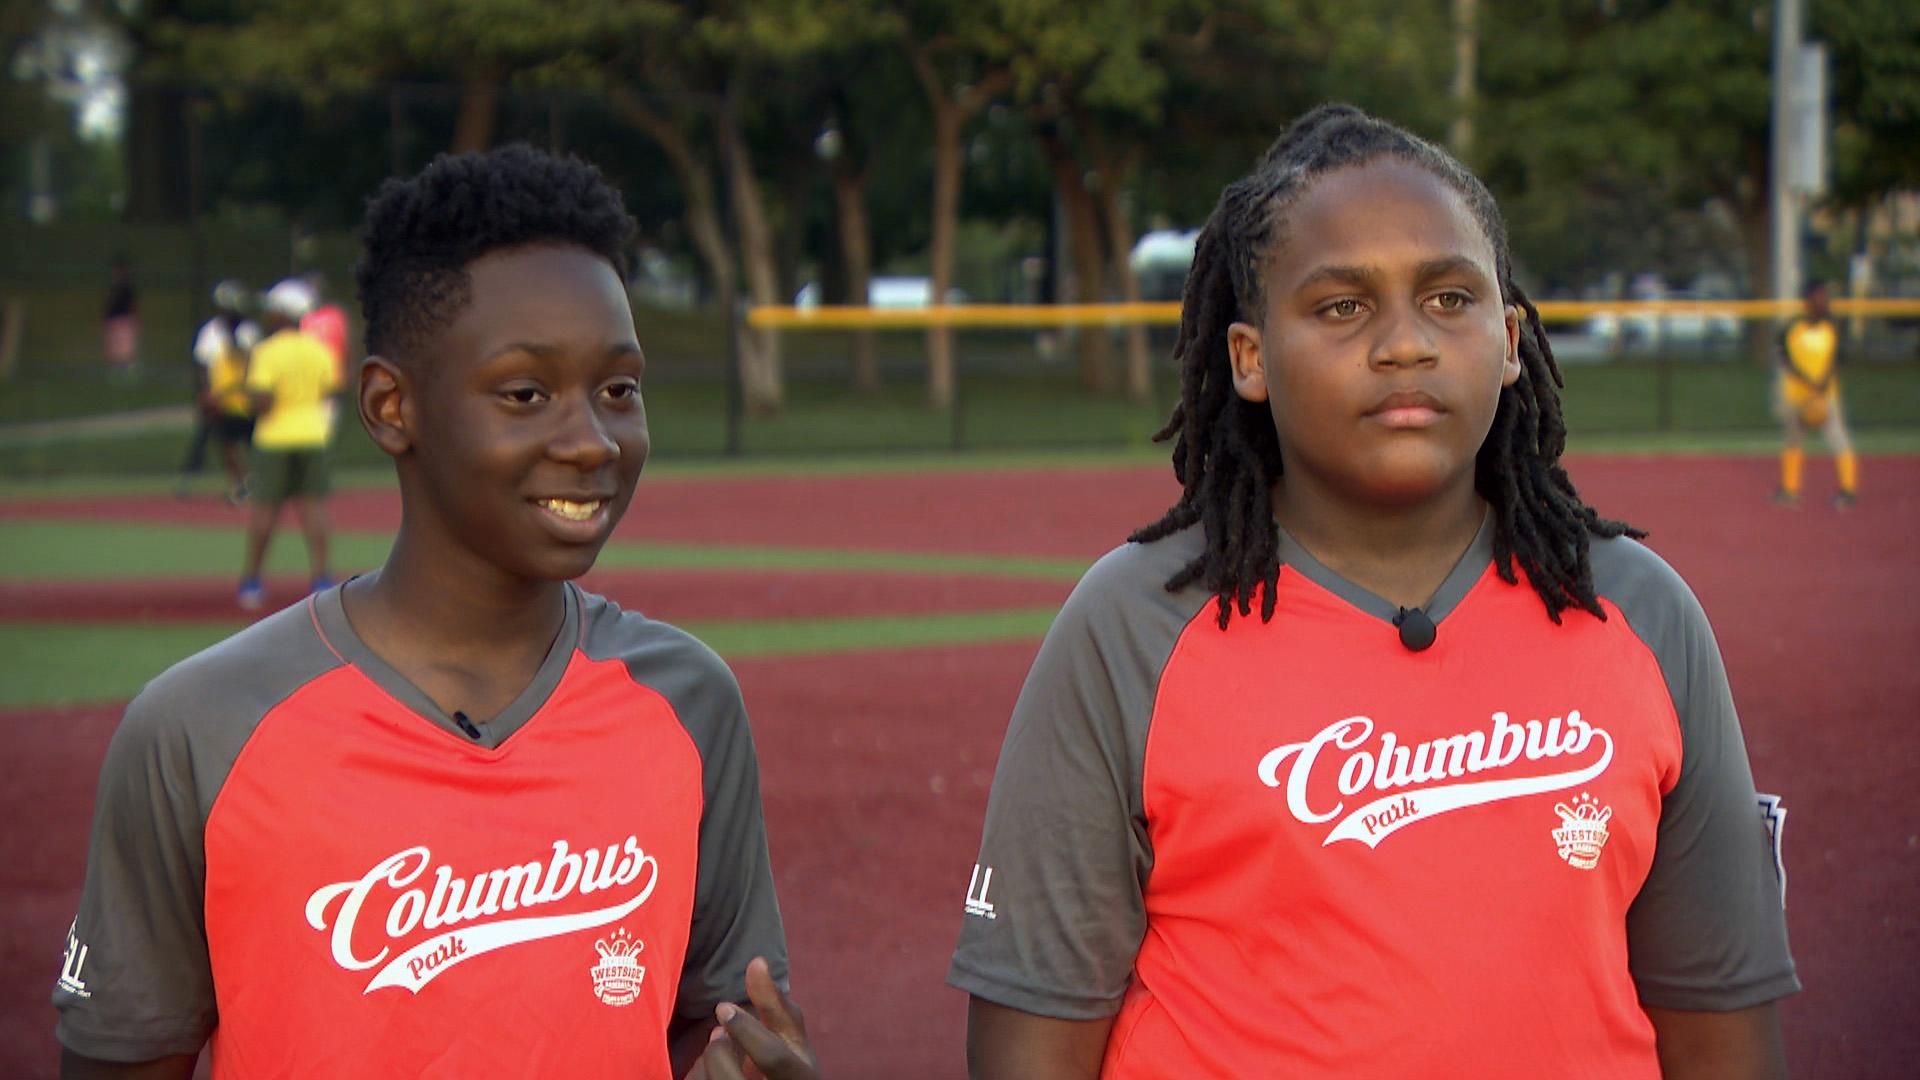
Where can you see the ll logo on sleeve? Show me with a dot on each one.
(977, 892)
(1775, 816)
(76, 958)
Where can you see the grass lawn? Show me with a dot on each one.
(45, 664)
(1709, 406)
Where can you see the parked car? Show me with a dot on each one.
(886, 292)
(1651, 331)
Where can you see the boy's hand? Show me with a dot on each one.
(773, 1046)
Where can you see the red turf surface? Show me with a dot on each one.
(1067, 513)
(876, 764)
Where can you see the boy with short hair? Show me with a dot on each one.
(454, 817)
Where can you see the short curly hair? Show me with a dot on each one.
(421, 233)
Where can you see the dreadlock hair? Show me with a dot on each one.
(422, 232)
(1227, 453)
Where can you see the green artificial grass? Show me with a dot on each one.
(37, 550)
(40, 550)
(51, 664)
(744, 557)
(799, 637)
(44, 665)
(1008, 408)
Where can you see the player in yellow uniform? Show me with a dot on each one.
(291, 380)
(225, 411)
(1807, 395)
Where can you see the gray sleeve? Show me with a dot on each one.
(1055, 907)
(1708, 928)
(136, 984)
(736, 914)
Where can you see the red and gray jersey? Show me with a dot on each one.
(297, 853)
(1300, 848)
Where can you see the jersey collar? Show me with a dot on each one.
(1459, 581)
(331, 615)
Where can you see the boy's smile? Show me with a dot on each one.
(532, 431)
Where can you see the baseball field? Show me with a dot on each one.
(880, 621)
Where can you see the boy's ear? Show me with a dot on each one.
(387, 404)
(1510, 365)
(1249, 364)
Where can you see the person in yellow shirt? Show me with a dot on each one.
(1807, 395)
(291, 380)
(225, 412)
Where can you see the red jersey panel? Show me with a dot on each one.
(298, 855)
(1304, 848)
(1332, 823)
(448, 883)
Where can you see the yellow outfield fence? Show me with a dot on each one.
(1016, 316)
(1631, 367)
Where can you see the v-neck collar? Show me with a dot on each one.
(330, 614)
(1459, 581)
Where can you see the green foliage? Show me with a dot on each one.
(1618, 134)
(1602, 126)
(324, 45)
(1874, 83)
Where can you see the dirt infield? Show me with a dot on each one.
(876, 764)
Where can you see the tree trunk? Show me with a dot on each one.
(479, 112)
(856, 251)
(1139, 371)
(950, 113)
(1752, 207)
(762, 378)
(946, 215)
(158, 181)
(1089, 265)
(790, 228)
(1466, 48)
(696, 184)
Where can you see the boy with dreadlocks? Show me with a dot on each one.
(1381, 754)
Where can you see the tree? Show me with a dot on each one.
(477, 44)
(749, 59)
(858, 115)
(1607, 125)
(959, 56)
(1874, 55)
(1094, 81)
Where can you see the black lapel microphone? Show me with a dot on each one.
(473, 732)
(1416, 630)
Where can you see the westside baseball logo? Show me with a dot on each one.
(618, 974)
(468, 903)
(1344, 761)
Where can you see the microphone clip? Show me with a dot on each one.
(1416, 629)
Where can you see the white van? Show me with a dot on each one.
(886, 292)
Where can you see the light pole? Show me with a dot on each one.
(1799, 160)
(1785, 210)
